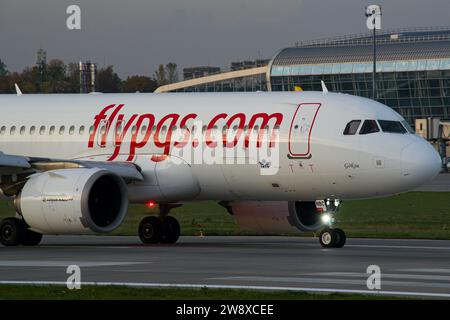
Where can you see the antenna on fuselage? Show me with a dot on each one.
(324, 87)
(18, 91)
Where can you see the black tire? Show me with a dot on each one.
(171, 230)
(328, 238)
(150, 230)
(342, 238)
(31, 238)
(11, 231)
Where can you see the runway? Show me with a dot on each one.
(408, 267)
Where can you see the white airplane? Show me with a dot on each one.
(71, 164)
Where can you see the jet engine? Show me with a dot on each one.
(277, 216)
(73, 201)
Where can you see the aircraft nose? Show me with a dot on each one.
(420, 162)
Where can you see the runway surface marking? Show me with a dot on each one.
(384, 275)
(60, 263)
(332, 281)
(429, 270)
(212, 286)
(396, 247)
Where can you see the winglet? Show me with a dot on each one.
(18, 91)
(324, 87)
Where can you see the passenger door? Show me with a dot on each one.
(301, 130)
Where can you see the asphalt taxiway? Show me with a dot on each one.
(408, 267)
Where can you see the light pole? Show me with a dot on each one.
(373, 14)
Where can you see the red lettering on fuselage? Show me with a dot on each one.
(143, 125)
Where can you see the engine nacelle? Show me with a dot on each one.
(277, 216)
(73, 201)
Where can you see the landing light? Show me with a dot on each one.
(327, 218)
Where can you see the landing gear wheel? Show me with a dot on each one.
(332, 238)
(31, 238)
(11, 232)
(171, 230)
(150, 230)
(328, 238)
(342, 238)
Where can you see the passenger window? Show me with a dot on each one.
(352, 127)
(12, 131)
(392, 126)
(119, 128)
(32, 130)
(61, 130)
(91, 129)
(42, 130)
(72, 130)
(81, 130)
(22, 130)
(52, 130)
(369, 126)
(3, 130)
(144, 130)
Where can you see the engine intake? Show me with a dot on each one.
(277, 216)
(83, 200)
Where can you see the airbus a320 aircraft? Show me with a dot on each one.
(71, 164)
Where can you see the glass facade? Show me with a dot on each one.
(242, 84)
(413, 70)
(415, 89)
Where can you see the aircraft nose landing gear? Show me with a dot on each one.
(332, 238)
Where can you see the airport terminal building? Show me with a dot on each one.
(413, 71)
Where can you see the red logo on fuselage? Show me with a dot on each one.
(110, 117)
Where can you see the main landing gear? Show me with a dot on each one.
(162, 229)
(14, 232)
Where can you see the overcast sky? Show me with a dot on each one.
(137, 35)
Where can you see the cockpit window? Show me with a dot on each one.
(352, 127)
(392, 126)
(369, 126)
(408, 127)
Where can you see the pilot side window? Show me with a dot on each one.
(392, 126)
(369, 126)
(408, 127)
(352, 127)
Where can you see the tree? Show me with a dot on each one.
(166, 74)
(73, 77)
(172, 72)
(3, 70)
(139, 83)
(56, 78)
(160, 75)
(108, 81)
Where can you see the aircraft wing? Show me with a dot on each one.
(12, 164)
(11, 161)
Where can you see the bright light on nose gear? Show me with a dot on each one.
(327, 218)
